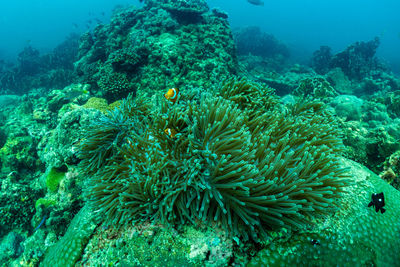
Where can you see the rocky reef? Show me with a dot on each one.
(164, 44)
(260, 54)
(33, 70)
(356, 61)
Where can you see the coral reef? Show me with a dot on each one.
(10, 247)
(17, 198)
(33, 70)
(225, 174)
(259, 52)
(316, 87)
(392, 102)
(340, 238)
(321, 60)
(20, 166)
(157, 245)
(357, 235)
(54, 178)
(391, 170)
(168, 48)
(59, 144)
(284, 83)
(370, 145)
(370, 129)
(235, 161)
(184, 11)
(251, 40)
(357, 61)
(18, 153)
(348, 107)
(340, 81)
(97, 103)
(33, 199)
(69, 249)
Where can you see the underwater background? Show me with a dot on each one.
(199, 133)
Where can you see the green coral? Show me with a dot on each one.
(114, 84)
(156, 245)
(18, 153)
(16, 205)
(97, 103)
(69, 249)
(316, 87)
(46, 202)
(177, 43)
(53, 179)
(246, 170)
(355, 236)
(392, 101)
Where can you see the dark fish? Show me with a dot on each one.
(378, 201)
(315, 242)
(256, 2)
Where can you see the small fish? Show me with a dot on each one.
(315, 242)
(256, 2)
(171, 132)
(378, 201)
(172, 95)
(40, 224)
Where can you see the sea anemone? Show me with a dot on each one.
(229, 164)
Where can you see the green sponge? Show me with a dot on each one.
(53, 179)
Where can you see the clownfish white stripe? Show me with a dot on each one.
(175, 93)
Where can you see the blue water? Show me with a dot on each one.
(303, 25)
(306, 24)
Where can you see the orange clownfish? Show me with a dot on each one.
(172, 95)
(171, 132)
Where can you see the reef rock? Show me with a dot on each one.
(164, 44)
(354, 234)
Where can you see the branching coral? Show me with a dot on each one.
(229, 163)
